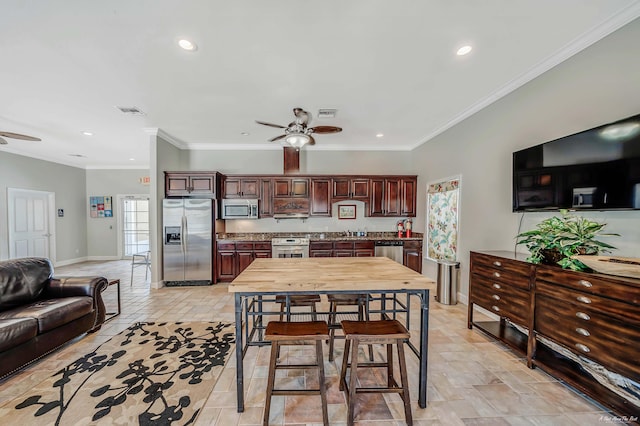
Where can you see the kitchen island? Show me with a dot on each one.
(368, 275)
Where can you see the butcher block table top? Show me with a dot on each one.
(327, 274)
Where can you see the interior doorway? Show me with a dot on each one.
(31, 223)
(133, 225)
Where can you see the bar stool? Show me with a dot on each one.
(139, 259)
(294, 333)
(389, 332)
(346, 299)
(298, 300)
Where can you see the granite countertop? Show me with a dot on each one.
(315, 236)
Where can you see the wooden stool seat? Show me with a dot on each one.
(389, 332)
(294, 333)
(298, 300)
(346, 299)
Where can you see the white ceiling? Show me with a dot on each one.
(387, 66)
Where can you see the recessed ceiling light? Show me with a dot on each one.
(132, 159)
(187, 45)
(379, 135)
(464, 50)
(245, 133)
(87, 133)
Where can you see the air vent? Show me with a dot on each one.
(131, 110)
(327, 113)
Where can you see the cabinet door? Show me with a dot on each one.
(343, 253)
(360, 188)
(176, 184)
(408, 197)
(299, 187)
(244, 259)
(231, 188)
(320, 197)
(413, 260)
(376, 203)
(320, 253)
(364, 253)
(266, 193)
(392, 197)
(281, 187)
(341, 188)
(202, 185)
(249, 188)
(261, 254)
(226, 265)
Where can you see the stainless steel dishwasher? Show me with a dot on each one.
(391, 249)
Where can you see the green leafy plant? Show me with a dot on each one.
(557, 239)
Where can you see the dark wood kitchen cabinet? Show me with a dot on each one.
(320, 203)
(412, 255)
(191, 184)
(350, 188)
(392, 196)
(265, 203)
(582, 328)
(342, 248)
(285, 187)
(234, 257)
(241, 187)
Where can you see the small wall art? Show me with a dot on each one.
(347, 211)
(100, 206)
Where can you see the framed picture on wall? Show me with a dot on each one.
(347, 211)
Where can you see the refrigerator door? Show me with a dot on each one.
(198, 240)
(173, 236)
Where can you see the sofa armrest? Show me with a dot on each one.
(80, 286)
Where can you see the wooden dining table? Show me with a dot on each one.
(378, 276)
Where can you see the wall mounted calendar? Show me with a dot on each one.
(100, 206)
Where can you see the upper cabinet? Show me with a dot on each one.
(191, 184)
(320, 197)
(350, 188)
(393, 196)
(241, 187)
(285, 187)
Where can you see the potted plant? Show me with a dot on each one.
(557, 239)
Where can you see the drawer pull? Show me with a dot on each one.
(582, 331)
(495, 308)
(496, 286)
(583, 299)
(585, 283)
(496, 274)
(583, 316)
(496, 263)
(496, 297)
(583, 348)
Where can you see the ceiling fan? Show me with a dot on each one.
(15, 136)
(297, 133)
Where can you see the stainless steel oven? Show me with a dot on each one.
(290, 247)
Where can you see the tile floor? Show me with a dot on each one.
(472, 379)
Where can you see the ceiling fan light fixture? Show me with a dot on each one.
(296, 140)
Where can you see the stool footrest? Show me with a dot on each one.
(295, 366)
(286, 392)
(379, 390)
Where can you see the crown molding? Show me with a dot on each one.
(157, 132)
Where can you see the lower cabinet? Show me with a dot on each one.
(343, 248)
(234, 257)
(580, 327)
(412, 255)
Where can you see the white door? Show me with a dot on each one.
(30, 223)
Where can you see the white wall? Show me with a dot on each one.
(102, 233)
(599, 85)
(68, 184)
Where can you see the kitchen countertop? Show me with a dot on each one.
(315, 236)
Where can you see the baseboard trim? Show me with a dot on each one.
(70, 261)
(462, 298)
(92, 258)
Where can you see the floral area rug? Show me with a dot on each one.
(150, 374)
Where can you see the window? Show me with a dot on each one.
(135, 225)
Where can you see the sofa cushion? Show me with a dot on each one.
(14, 332)
(23, 280)
(52, 313)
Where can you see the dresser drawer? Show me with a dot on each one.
(610, 307)
(502, 265)
(505, 300)
(589, 333)
(507, 277)
(626, 290)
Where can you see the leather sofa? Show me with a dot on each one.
(39, 313)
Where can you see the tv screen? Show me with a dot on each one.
(597, 169)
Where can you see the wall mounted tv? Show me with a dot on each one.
(597, 169)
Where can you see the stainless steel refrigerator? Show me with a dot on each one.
(188, 240)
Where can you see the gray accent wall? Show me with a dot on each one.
(68, 184)
(596, 86)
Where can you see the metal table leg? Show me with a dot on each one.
(424, 353)
(239, 354)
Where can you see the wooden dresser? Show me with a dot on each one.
(586, 327)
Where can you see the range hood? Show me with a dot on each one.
(279, 216)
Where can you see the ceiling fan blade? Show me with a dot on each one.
(277, 138)
(3, 142)
(271, 124)
(312, 141)
(325, 129)
(19, 136)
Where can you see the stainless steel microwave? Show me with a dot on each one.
(234, 208)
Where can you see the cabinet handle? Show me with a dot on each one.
(583, 331)
(496, 297)
(496, 286)
(497, 263)
(583, 316)
(583, 299)
(583, 348)
(495, 308)
(585, 283)
(496, 274)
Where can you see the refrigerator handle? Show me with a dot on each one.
(183, 234)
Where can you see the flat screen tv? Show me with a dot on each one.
(597, 169)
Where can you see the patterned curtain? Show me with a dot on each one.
(442, 220)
